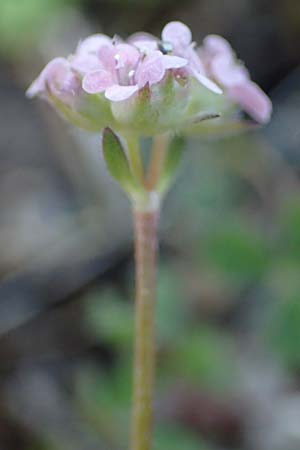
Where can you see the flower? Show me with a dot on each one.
(146, 85)
(123, 70)
(215, 62)
(177, 39)
(60, 85)
(223, 67)
(180, 38)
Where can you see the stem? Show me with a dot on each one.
(135, 157)
(145, 224)
(159, 149)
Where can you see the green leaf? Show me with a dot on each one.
(116, 161)
(172, 161)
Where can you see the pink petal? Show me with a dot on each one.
(85, 63)
(173, 62)
(227, 71)
(97, 81)
(209, 84)
(145, 42)
(194, 59)
(178, 34)
(92, 43)
(117, 93)
(36, 88)
(216, 45)
(151, 70)
(127, 55)
(146, 46)
(253, 100)
(141, 36)
(54, 70)
(67, 84)
(107, 58)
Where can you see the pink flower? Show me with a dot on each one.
(86, 56)
(221, 65)
(123, 70)
(61, 86)
(177, 40)
(56, 79)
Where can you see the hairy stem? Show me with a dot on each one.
(145, 225)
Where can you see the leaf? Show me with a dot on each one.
(116, 161)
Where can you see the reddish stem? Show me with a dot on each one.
(145, 225)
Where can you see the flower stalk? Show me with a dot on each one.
(135, 158)
(146, 218)
(160, 146)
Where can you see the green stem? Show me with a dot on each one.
(135, 158)
(159, 149)
(145, 225)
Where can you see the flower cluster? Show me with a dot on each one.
(149, 85)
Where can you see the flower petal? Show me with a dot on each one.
(209, 84)
(145, 42)
(57, 68)
(141, 36)
(253, 100)
(194, 59)
(92, 43)
(216, 45)
(151, 70)
(85, 63)
(107, 58)
(178, 34)
(173, 62)
(228, 72)
(97, 81)
(145, 46)
(127, 55)
(117, 93)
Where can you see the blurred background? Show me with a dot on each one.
(229, 284)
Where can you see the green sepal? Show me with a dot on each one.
(116, 161)
(172, 161)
